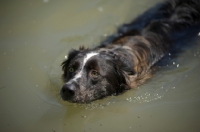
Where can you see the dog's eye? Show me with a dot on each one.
(94, 73)
(71, 69)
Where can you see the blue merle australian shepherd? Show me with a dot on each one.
(126, 59)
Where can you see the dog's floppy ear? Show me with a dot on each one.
(121, 78)
(70, 56)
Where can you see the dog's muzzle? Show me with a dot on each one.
(68, 91)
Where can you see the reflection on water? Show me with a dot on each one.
(35, 37)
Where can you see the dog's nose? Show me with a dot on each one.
(68, 91)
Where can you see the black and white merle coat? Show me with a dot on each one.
(126, 60)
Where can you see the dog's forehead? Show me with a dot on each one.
(89, 56)
(86, 58)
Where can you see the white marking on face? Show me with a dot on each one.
(86, 58)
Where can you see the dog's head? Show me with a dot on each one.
(91, 75)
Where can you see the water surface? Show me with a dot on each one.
(35, 37)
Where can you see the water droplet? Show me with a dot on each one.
(83, 116)
(174, 63)
(100, 9)
(177, 65)
(45, 1)
(65, 56)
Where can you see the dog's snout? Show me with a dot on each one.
(68, 91)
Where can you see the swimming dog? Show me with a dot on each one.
(126, 60)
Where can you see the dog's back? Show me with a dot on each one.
(184, 13)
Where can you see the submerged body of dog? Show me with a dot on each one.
(127, 60)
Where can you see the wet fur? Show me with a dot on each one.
(127, 58)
